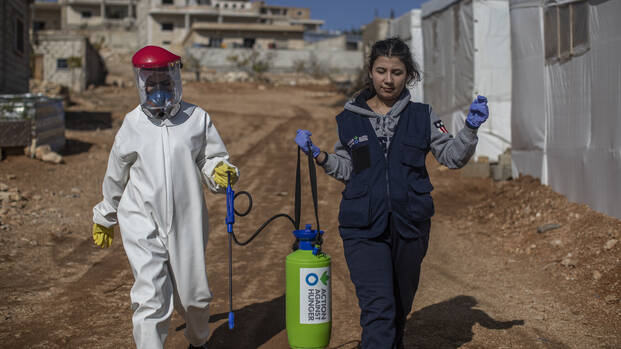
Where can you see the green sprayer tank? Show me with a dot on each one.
(309, 293)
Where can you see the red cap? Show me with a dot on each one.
(153, 57)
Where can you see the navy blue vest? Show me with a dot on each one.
(397, 184)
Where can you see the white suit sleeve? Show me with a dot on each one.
(213, 152)
(117, 175)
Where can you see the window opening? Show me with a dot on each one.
(215, 42)
(566, 31)
(62, 63)
(580, 28)
(38, 25)
(19, 36)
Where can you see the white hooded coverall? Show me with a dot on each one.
(153, 185)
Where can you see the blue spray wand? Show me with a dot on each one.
(230, 220)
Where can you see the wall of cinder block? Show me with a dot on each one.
(72, 49)
(281, 61)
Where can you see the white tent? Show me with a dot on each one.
(566, 125)
(408, 28)
(467, 52)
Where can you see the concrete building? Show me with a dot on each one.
(345, 42)
(83, 14)
(15, 46)
(130, 24)
(112, 23)
(247, 35)
(69, 60)
(232, 24)
(47, 15)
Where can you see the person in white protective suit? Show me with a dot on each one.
(152, 188)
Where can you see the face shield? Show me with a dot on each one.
(159, 89)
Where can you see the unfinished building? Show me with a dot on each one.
(69, 60)
(109, 23)
(130, 24)
(231, 24)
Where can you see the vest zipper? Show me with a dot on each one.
(392, 141)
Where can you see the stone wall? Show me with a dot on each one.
(281, 61)
(70, 60)
(64, 47)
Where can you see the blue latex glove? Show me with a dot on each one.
(478, 112)
(302, 139)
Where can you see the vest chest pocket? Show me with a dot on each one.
(413, 157)
(420, 204)
(414, 154)
(354, 210)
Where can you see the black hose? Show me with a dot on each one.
(256, 233)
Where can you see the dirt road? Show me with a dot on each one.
(489, 279)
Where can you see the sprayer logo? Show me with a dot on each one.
(325, 277)
(314, 295)
(311, 279)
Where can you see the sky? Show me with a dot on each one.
(348, 14)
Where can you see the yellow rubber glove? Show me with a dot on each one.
(102, 236)
(220, 174)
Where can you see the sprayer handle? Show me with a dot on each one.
(230, 207)
(231, 320)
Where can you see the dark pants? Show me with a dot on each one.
(385, 271)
